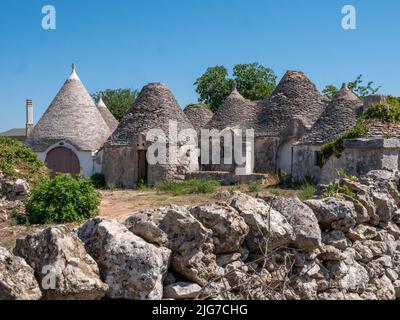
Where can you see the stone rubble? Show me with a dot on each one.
(58, 252)
(336, 248)
(17, 280)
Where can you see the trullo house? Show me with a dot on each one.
(70, 134)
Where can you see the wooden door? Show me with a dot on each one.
(63, 160)
(142, 165)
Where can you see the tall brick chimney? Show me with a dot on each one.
(29, 118)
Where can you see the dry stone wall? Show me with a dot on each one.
(267, 247)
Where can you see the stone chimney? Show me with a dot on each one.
(29, 118)
(373, 99)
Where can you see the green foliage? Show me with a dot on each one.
(192, 186)
(254, 186)
(336, 147)
(98, 180)
(389, 112)
(356, 86)
(141, 185)
(213, 86)
(337, 189)
(254, 81)
(330, 91)
(307, 190)
(61, 200)
(118, 101)
(19, 161)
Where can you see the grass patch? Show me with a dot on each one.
(307, 190)
(192, 186)
(254, 186)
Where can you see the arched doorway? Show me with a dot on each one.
(62, 160)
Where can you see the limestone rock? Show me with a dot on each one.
(17, 280)
(363, 195)
(337, 239)
(355, 279)
(58, 252)
(330, 253)
(385, 206)
(334, 213)
(268, 228)
(228, 227)
(224, 259)
(305, 287)
(385, 288)
(176, 228)
(362, 232)
(182, 290)
(15, 190)
(132, 268)
(302, 219)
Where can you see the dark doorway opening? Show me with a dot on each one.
(142, 166)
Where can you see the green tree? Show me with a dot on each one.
(254, 81)
(356, 86)
(213, 86)
(118, 101)
(330, 91)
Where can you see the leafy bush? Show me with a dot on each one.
(389, 112)
(192, 186)
(63, 199)
(19, 161)
(254, 186)
(98, 180)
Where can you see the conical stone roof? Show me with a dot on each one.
(199, 115)
(153, 109)
(107, 115)
(340, 115)
(295, 97)
(73, 117)
(235, 112)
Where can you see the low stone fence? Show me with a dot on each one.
(268, 247)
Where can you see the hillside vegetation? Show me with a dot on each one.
(18, 161)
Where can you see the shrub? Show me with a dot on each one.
(18, 161)
(254, 186)
(336, 189)
(98, 180)
(389, 112)
(63, 199)
(192, 186)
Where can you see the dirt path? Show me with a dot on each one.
(123, 203)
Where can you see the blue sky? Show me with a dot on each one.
(128, 43)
